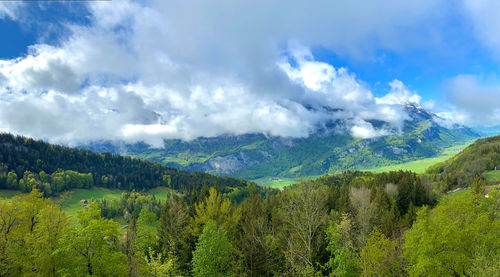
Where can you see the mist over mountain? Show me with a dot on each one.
(330, 148)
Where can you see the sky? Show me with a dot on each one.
(76, 72)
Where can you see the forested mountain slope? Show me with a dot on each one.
(26, 164)
(483, 155)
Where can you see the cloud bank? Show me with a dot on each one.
(475, 101)
(148, 71)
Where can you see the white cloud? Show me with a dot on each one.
(44, 69)
(475, 102)
(338, 88)
(399, 94)
(365, 130)
(483, 15)
(181, 69)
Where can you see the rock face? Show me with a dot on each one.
(231, 163)
(226, 164)
(327, 150)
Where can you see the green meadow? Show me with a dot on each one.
(70, 200)
(280, 183)
(420, 166)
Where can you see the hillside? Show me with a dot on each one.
(255, 156)
(477, 159)
(26, 164)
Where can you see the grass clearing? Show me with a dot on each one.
(493, 175)
(163, 193)
(277, 183)
(280, 183)
(420, 166)
(70, 200)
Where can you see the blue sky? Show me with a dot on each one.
(149, 70)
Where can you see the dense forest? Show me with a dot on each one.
(350, 224)
(26, 164)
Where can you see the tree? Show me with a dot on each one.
(12, 180)
(343, 258)
(44, 178)
(257, 259)
(146, 231)
(157, 266)
(31, 229)
(365, 209)
(380, 256)
(217, 209)
(478, 185)
(91, 248)
(214, 253)
(130, 249)
(174, 235)
(305, 215)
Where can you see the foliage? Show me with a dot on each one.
(31, 229)
(343, 258)
(457, 238)
(214, 252)
(380, 256)
(215, 208)
(157, 266)
(90, 248)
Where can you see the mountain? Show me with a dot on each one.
(488, 131)
(26, 164)
(327, 150)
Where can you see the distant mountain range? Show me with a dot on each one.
(253, 156)
(488, 131)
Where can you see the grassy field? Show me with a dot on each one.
(163, 193)
(493, 175)
(277, 184)
(282, 182)
(421, 165)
